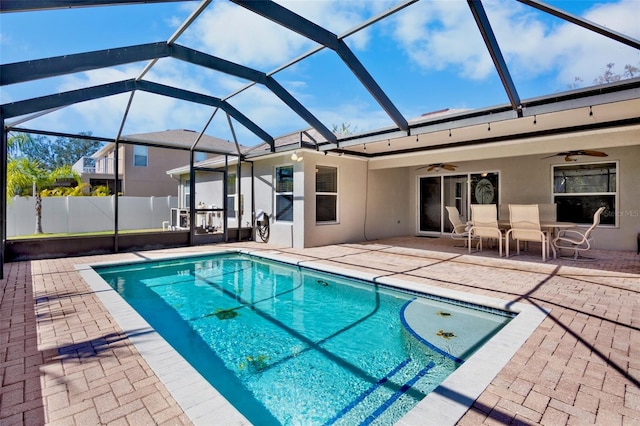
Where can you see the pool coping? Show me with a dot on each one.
(201, 401)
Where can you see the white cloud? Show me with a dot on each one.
(435, 35)
(440, 35)
(240, 36)
(585, 54)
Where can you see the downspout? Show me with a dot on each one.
(3, 194)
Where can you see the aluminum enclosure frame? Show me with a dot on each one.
(50, 67)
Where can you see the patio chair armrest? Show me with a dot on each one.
(460, 229)
(570, 234)
(574, 241)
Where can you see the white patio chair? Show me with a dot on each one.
(460, 229)
(484, 218)
(576, 241)
(525, 226)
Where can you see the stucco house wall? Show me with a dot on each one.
(281, 233)
(379, 198)
(152, 179)
(528, 180)
(371, 204)
(388, 213)
(352, 198)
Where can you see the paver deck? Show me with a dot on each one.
(63, 359)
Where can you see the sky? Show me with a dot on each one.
(428, 57)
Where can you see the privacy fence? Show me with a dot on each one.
(87, 214)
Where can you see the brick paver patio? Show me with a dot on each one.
(65, 361)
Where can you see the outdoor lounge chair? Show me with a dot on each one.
(484, 218)
(460, 229)
(525, 226)
(576, 241)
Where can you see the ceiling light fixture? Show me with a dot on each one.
(590, 111)
(449, 132)
(296, 157)
(488, 127)
(535, 120)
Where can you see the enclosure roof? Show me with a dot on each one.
(330, 47)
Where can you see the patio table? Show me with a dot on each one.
(553, 226)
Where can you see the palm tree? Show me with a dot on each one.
(27, 177)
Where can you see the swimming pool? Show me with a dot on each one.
(278, 371)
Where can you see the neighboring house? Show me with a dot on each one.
(142, 165)
(366, 190)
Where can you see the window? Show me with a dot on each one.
(140, 155)
(580, 189)
(187, 193)
(484, 188)
(284, 193)
(231, 195)
(326, 194)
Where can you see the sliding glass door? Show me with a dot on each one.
(459, 191)
(454, 194)
(430, 209)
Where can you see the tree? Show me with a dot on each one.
(343, 129)
(27, 177)
(52, 154)
(608, 75)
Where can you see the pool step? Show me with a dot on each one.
(380, 396)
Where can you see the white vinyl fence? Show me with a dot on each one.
(87, 214)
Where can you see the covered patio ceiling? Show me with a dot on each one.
(591, 109)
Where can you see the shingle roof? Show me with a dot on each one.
(184, 139)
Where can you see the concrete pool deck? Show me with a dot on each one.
(64, 359)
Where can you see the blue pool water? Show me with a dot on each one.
(289, 345)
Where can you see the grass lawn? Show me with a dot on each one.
(83, 234)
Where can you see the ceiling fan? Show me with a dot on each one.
(568, 155)
(438, 166)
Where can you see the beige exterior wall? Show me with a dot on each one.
(383, 203)
(352, 201)
(528, 180)
(355, 197)
(138, 181)
(153, 179)
(264, 169)
(379, 198)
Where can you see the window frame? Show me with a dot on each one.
(231, 196)
(277, 193)
(328, 194)
(615, 194)
(138, 155)
(186, 193)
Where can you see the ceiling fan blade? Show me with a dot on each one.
(450, 167)
(594, 153)
(554, 155)
(568, 158)
(431, 168)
